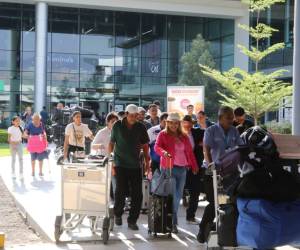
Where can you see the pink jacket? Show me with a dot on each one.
(166, 142)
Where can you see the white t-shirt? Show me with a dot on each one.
(15, 134)
(153, 133)
(103, 137)
(81, 132)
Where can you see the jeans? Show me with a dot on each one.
(179, 176)
(133, 178)
(16, 149)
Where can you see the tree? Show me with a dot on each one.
(192, 74)
(257, 92)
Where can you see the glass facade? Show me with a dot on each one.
(136, 53)
(280, 17)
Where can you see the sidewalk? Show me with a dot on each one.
(39, 200)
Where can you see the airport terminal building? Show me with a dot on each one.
(128, 50)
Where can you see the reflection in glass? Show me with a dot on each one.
(64, 28)
(96, 28)
(65, 63)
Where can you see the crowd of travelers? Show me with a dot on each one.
(187, 145)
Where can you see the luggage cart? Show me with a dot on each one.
(86, 194)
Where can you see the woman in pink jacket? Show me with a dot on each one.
(176, 151)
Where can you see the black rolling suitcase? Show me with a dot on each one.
(160, 215)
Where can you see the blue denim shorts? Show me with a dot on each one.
(39, 156)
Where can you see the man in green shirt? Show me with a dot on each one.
(128, 138)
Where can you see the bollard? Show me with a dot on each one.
(2, 240)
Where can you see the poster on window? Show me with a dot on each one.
(179, 97)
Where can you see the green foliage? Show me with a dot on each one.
(192, 75)
(3, 136)
(261, 5)
(279, 127)
(257, 92)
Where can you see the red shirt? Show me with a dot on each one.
(166, 142)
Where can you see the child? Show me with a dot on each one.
(15, 134)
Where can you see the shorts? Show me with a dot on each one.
(39, 156)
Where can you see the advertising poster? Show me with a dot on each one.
(179, 97)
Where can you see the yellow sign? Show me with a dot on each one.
(179, 97)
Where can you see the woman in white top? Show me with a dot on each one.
(15, 134)
(75, 134)
(102, 138)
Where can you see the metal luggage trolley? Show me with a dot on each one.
(86, 194)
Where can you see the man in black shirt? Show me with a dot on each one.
(240, 121)
(128, 137)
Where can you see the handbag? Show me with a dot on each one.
(162, 182)
(78, 154)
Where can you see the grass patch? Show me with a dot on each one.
(4, 150)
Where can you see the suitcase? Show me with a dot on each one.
(160, 215)
(265, 224)
(146, 195)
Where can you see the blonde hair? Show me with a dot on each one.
(179, 129)
(36, 115)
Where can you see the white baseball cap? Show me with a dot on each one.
(173, 117)
(141, 109)
(131, 109)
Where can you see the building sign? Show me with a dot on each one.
(179, 97)
(98, 90)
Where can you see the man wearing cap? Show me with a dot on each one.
(218, 138)
(141, 117)
(128, 137)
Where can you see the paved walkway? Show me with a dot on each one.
(39, 200)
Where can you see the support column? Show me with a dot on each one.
(241, 37)
(296, 71)
(40, 86)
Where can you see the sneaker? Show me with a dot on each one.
(192, 221)
(133, 226)
(32, 174)
(21, 177)
(13, 175)
(201, 237)
(174, 229)
(118, 221)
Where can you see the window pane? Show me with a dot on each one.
(227, 63)
(10, 60)
(28, 61)
(228, 45)
(127, 34)
(98, 65)
(10, 23)
(227, 27)
(96, 29)
(153, 35)
(28, 30)
(66, 63)
(64, 28)
(213, 29)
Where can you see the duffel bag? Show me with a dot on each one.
(264, 224)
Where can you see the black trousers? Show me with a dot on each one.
(133, 178)
(194, 184)
(209, 211)
(154, 165)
